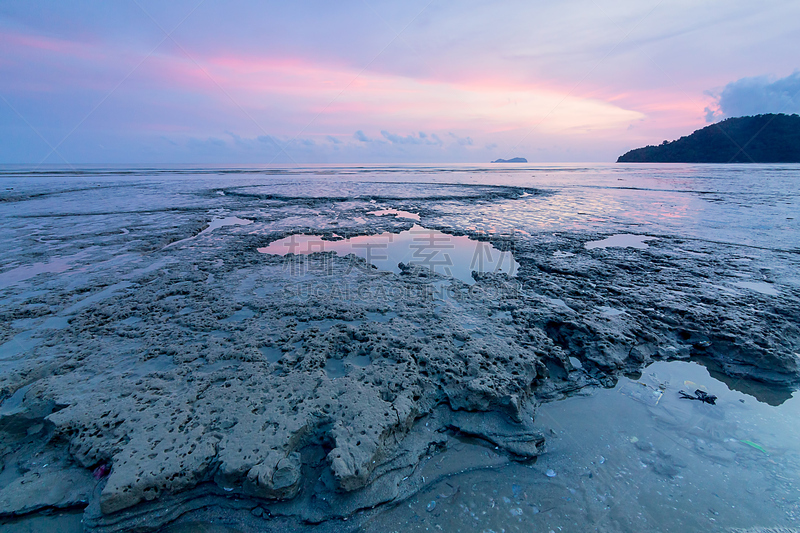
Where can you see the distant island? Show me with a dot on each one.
(771, 138)
(512, 160)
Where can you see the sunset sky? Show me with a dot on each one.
(247, 82)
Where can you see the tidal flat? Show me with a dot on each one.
(360, 347)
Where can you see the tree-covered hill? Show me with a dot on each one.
(760, 139)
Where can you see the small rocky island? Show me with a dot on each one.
(770, 138)
(512, 160)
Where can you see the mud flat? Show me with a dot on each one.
(156, 366)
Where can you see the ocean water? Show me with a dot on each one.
(674, 465)
(755, 205)
(748, 205)
(51, 217)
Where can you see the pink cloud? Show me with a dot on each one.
(20, 41)
(338, 98)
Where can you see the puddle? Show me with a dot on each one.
(454, 256)
(222, 222)
(641, 392)
(362, 361)
(632, 458)
(57, 265)
(215, 223)
(322, 325)
(610, 311)
(758, 286)
(621, 240)
(56, 322)
(240, 315)
(395, 212)
(219, 365)
(763, 392)
(99, 297)
(338, 368)
(559, 253)
(690, 252)
(13, 404)
(380, 317)
(199, 527)
(69, 521)
(560, 303)
(272, 354)
(723, 288)
(335, 368)
(30, 324)
(24, 323)
(503, 316)
(267, 290)
(152, 267)
(18, 344)
(131, 320)
(154, 365)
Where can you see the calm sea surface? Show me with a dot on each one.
(743, 204)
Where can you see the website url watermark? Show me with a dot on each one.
(381, 291)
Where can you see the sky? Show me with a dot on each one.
(373, 81)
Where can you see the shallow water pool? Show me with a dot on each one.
(453, 256)
(617, 463)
